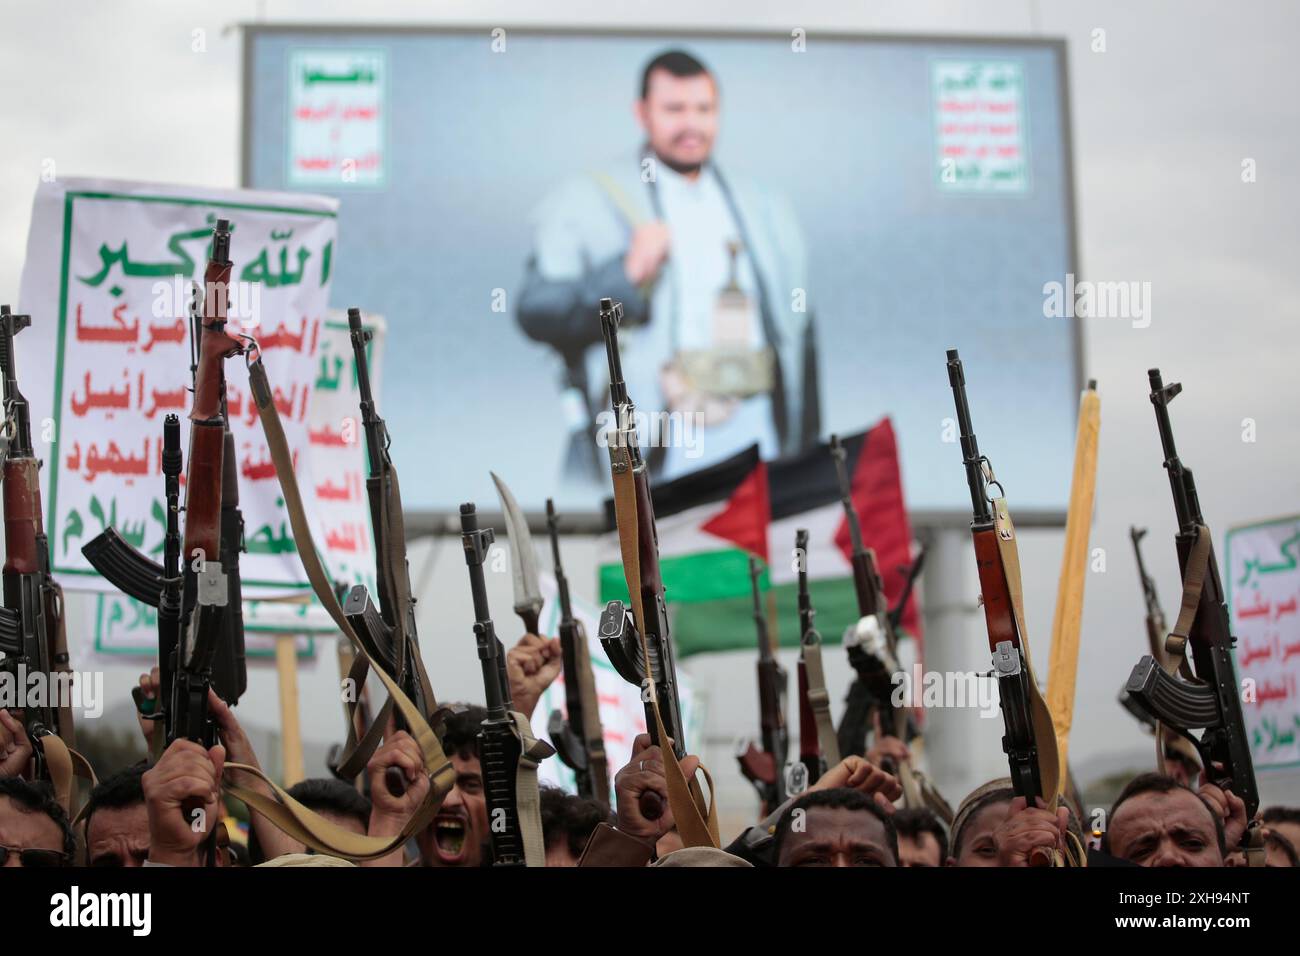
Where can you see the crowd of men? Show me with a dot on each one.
(134, 817)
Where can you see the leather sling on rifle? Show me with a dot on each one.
(528, 795)
(1198, 563)
(697, 822)
(820, 701)
(62, 759)
(281, 809)
(1175, 658)
(1049, 767)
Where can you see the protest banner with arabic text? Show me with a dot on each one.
(1262, 578)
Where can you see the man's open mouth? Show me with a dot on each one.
(449, 833)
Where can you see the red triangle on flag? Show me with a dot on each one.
(743, 519)
(876, 485)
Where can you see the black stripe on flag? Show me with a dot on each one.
(807, 480)
(714, 483)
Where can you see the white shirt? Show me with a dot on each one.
(699, 266)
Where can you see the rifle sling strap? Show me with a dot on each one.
(1198, 564)
(697, 823)
(819, 699)
(933, 799)
(63, 763)
(62, 758)
(1175, 651)
(593, 734)
(1049, 766)
(394, 545)
(528, 797)
(357, 753)
(912, 796)
(282, 810)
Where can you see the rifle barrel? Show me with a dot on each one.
(375, 429)
(846, 494)
(970, 450)
(476, 542)
(760, 617)
(20, 443)
(611, 313)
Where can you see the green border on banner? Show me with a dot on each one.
(1227, 599)
(309, 653)
(61, 341)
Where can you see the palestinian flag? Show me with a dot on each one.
(805, 494)
(709, 523)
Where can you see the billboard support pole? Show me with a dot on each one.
(952, 623)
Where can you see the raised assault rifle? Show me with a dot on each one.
(31, 620)
(387, 632)
(500, 749)
(1207, 697)
(1010, 662)
(765, 768)
(618, 628)
(200, 623)
(576, 734)
(812, 756)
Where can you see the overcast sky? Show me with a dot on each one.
(1162, 121)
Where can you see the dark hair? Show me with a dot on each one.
(460, 730)
(911, 822)
(320, 793)
(116, 792)
(1159, 783)
(39, 798)
(1280, 815)
(838, 798)
(1282, 843)
(677, 62)
(570, 819)
(1001, 795)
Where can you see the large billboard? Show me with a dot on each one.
(797, 225)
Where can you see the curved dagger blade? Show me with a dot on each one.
(523, 559)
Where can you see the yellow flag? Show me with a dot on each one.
(1064, 664)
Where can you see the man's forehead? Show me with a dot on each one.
(466, 762)
(856, 823)
(1179, 807)
(1288, 829)
(16, 819)
(924, 840)
(113, 820)
(663, 83)
(989, 816)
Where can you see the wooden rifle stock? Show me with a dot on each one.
(31, 618)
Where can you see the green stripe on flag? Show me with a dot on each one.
(728, 625)
(690, 578)
(710, 605)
